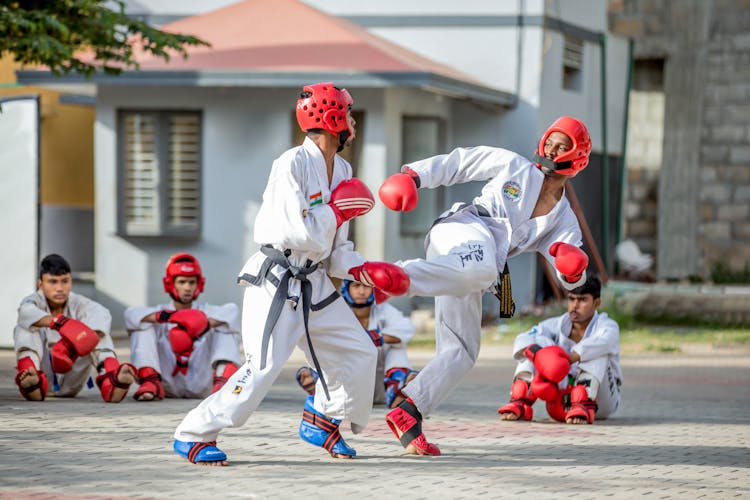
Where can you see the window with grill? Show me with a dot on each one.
(159, 173)
(572, 77)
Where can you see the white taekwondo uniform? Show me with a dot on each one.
(300, 247)
(38, 341)
(149, 346)
(599, 350)
(469, 246)
(387, 320)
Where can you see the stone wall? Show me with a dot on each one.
(704, 178)
(644, 157)
(724, 199)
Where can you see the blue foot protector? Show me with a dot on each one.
(317, 429)
(199, 452)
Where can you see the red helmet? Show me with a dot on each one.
(182, 264)
(573, 161)
(322, 105)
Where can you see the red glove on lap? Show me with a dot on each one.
(191, 325)
(388, 278)
(193, 321)
(551, 362)
(399, 191)
(76, 339)
(350, 199)
(570, 260)
(544, 389)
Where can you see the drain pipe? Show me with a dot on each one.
(623, 164)
(605, 157)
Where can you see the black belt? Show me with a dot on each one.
(277, 257)
(481, 211)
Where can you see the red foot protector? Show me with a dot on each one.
(407, 420)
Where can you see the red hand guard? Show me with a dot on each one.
(551, 362)
(399, 191)
(350, 199)
(544, 389)
(570, 260)
(388, 278)
(76, 340)
(193, 321)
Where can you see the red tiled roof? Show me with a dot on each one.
(288, 35)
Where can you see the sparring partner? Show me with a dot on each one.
(289, 300)
(522, 208)
(572, 362)
(184, 348)
(389, 330)
(61, 335)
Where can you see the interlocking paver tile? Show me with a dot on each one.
(683, 431)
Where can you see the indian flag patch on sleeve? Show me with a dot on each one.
(316, 199)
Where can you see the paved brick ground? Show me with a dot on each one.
(683, 432)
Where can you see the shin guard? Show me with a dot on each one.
(395, 380)
(150, 385)
(405, 422)
(219, 380)
(28, 364)
(107, 382)
(521, 399)
(580, 404)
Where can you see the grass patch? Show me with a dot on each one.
(635, 335)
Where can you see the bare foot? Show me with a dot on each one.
(219, 463)
(509, 416)
(145, 396)
(29, 378)
(125, 375)
(409, 449)
(576, 420)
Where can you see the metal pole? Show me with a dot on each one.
(605, 157)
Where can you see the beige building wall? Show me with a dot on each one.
(66, 171)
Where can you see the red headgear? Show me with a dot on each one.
(182, 264)
(322, 105)
(573, 161)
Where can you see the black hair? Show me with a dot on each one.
(593, 287)
(55, 265)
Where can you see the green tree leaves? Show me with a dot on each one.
(82, 36)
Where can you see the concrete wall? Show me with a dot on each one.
(487, 41)
(244, 130)
(704, 182)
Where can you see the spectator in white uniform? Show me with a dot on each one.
(61, 336)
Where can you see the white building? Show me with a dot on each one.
(183, 150)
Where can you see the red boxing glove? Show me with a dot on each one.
(191, 325)
(350, 199)
(182, 346)
(76, 339)
(544, 389)
(551, 362)
(388, 278)
(399, 191)
(193, 321)
(570, 260)
(380, 296)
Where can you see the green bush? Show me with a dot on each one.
(721, 273)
